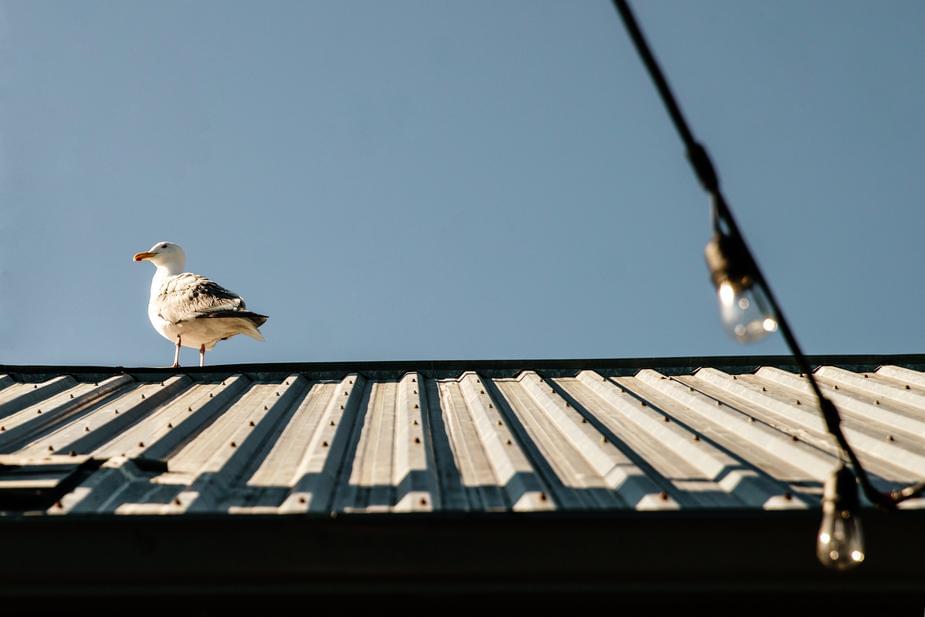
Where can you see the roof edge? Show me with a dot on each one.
(686, 364)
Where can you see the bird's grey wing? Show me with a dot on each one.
(188, 296)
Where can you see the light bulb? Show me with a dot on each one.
(744, 307)
(746, 312)
(840, 543)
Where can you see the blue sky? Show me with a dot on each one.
(456, 180)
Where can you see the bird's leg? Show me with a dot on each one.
(202, 355)
(176, 355)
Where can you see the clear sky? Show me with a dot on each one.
(456, 180)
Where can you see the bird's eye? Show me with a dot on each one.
(163, 246)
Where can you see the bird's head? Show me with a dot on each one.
(164, 254)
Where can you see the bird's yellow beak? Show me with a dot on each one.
(143, 255)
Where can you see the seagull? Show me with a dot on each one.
(189, 309)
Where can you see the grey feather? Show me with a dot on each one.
(191, 296)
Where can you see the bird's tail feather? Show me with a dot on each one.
(249, 321)
(251, 330)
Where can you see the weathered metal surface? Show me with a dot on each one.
(593, 438)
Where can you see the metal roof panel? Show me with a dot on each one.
(400, 437)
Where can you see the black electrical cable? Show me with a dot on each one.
(706, 173)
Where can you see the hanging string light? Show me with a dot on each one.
(749, 312)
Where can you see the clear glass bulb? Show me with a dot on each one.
(840, 543)
(745, 311)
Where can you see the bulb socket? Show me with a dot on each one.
(841, 491)
(729, 262)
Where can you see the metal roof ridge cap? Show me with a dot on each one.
(872, 360)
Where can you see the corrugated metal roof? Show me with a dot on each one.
(577, 435)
